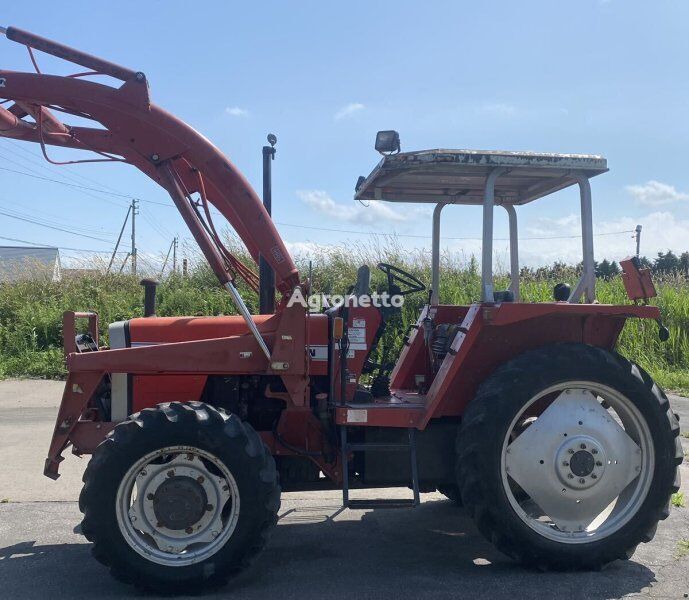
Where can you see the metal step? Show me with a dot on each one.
(382, 503)
(346, 448)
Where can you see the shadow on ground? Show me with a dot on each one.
(432, 552)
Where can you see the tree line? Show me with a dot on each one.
(665, 263)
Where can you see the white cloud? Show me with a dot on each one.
(661, 231)
(656, 193)
(236, 111)
(499, 109)
(374, 213)
(306, 249)
(349, 110)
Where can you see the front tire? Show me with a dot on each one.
(591, 481)
(179, 497)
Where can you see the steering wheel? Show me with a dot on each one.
(397, 276)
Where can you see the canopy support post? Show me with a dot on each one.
(487, 254)
(514, 251)
(435, 254)
(586, 285)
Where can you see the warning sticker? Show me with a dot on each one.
(357, 416)
(321, 353)
(357, 334)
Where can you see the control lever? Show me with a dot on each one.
(663, 332)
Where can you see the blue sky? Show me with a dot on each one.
(592, 76)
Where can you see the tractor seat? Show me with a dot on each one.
(503, 296)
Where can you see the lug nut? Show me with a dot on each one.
(594, 476)
(189, 530)
(570, 451)
(582, 481)
(594, 451)
(150, 496)
(570, 476)
(171, 473)
(599, 463)
(200, 479)
(583, 446)
(209, 507)
(565, 463)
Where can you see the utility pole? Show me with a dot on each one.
(124, 262)
(135, 211)
(638, 240)
(119, 238)
(167, 256)
(174, 255)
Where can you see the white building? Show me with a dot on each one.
(27, 262)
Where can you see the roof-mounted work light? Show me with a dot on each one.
(387, 142)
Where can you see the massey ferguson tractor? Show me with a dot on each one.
(564, 452)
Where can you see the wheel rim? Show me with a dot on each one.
(177, 506)
(582, 468)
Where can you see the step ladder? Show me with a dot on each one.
(346, 448)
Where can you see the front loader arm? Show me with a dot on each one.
(140, 133)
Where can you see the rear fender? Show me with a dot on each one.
(495, 334)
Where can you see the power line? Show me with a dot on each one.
(426, 237)
(72, 185)
(53, 220)
(34, 222)
(326, 229)
(41, 245)
(21, 147)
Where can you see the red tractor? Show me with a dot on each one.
(563, 451)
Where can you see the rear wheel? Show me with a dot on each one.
(568, 457)
(179, 497)
(451, 492)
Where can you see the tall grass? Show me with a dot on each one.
(31, 311)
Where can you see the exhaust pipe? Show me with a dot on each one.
(266, 276)
(150, 286)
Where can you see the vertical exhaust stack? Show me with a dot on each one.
(150, 286)
(266, 286)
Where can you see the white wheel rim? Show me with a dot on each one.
(207, 486)
(585, 469)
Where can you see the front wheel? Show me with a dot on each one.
(568, 456)
(179, 497)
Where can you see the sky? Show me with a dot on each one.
(602, 77)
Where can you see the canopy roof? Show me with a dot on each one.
(459, 176)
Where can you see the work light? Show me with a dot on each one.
(387, 141)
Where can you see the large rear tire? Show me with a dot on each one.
(606, 435)
(179, 498)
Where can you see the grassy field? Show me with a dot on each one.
(31, 311)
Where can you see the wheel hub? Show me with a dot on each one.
(179, 503)
(176, 511)
(580, 462)
(572, 461)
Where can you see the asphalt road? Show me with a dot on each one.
(317, 551)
